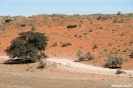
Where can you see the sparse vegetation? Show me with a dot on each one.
(131, 53)
(118, 71)
(66, 44)
(90, 30)
(95, 46)
(42, 64)
(23, 25)
(119, 13)
(79, 53)
(55, 44)
(82, 57)
(8, 20)
(71, 26)
(33, 28)
(89, 56)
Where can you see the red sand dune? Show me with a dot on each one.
(112, 33)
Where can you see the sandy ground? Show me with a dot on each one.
(58, 74)
(113, 35)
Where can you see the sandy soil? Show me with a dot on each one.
(58, 74)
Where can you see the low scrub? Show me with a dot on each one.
(42, 64)
(114, 61)
(95, 46)
(8, 20)
(87, 56)
(66, 44)
(118, 71)
(132, 54)
(71, 26)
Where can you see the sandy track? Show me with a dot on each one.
(71, 63)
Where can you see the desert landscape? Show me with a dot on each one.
(100, 34)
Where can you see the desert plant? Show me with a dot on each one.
(55, 44)
(90, 30)
(8, 20)
(89, 56)
(33, 28)
(28, 46)
(119, 13)
(95, 46)
(115, 20)
(75, 35)
(118, 71)
(81, 58)
(23, 25)
(66, 44)
(114, 61)
(71, 26)
(131, 53)
(42, 64)
(79, 53)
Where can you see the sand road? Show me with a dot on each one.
(71, 63)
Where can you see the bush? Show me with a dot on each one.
(41, 64)
(81, 58)
(118, 71)
(33, 28)
(23, 25)
(71, 26)
(95, 46)
(119, 13)
(55, 44)
(66, 44)
(8, 20)
(28, 46)
(79, 53)
(89, 56)
(132, 54)
(114, 61)
(90, 30)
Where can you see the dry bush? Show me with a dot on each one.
(114, 61)
(132, 54)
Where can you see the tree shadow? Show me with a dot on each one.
(112, 67)
(17, 61)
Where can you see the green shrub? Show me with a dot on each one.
(28, 46)
(8, 20)
(95, 46)
(55, 44)
(89, 56)
(23, 25)
(79, 53)
(119, 13)
(132, 54)
(81, 58)
(66, 44)
(71, 26)
(118, 71)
